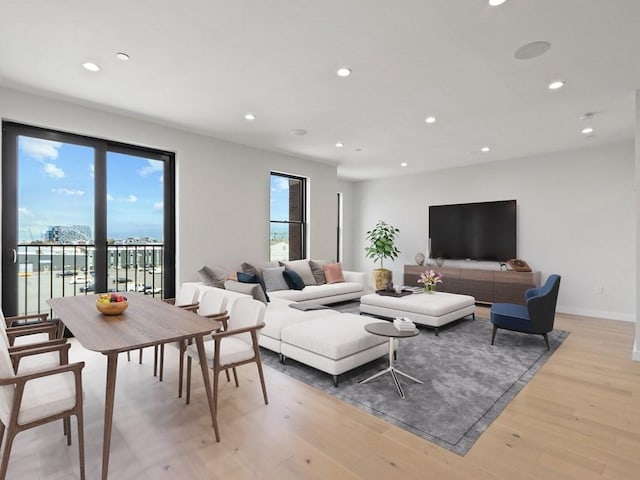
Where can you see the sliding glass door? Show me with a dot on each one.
(82, 215)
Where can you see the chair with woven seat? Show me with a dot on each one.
(536, 317)
(37, 396)
(237, 345)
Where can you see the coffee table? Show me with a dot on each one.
(386, 329)
(430, 309)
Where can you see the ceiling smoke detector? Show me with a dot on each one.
(532, 50)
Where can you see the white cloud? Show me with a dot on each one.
(40, 149)
(152, 166)
(66, 191)
(109, 197)
(158, 205)
(130, 199)
(53, 171)
(25, 211)
(281, 184)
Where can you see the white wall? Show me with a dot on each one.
(575, 218)
(636, 346)
(348, 216)
(222, 188)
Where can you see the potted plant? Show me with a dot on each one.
(381, 245)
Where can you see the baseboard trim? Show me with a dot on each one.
(625, 317)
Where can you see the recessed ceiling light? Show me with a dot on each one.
(358, 149)
(298, 132)
(249, 116)
(485, 149)
(404, 164)
(430, 119)
(339, 144)
(122, 56)
(556, 85)
(532, 50)
(587, 130)
(496, 3)
(344, 72)
(92, 67)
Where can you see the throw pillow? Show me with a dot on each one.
(213, 277)
(333, 273)
(252, 289)
(302, 268)
(251, 278)
(248, 268)
(293, 280)
(273, 279)
(316, 270)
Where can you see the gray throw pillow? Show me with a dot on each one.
(250, 269)
(253, 289)
(273, 279)
(316, 270)
(302, 268)
(213, 276)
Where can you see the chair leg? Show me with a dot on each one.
(181, 367)
(161, 362)
(216, 375)
(188, 380)
(140, 357)
(493, 334)
(128, 356)
(546, 340)
(67, 426)
(6, 452)
(227, 374)
(155, 361)
(235, 376)
(80, 423)
(264, 387)
(1, 433)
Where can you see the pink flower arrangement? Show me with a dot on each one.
(430, 278)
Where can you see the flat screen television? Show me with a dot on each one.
(473, 231)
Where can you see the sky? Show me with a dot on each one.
(56, 187)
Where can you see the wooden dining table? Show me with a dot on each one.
(146, 322)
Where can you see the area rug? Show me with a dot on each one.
(467, 382)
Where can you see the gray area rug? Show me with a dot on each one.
(467, 382)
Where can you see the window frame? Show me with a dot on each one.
(302, 223)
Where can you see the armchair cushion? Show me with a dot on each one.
(511, 317)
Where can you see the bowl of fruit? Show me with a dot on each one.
(111, 303)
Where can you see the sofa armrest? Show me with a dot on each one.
(357, 277)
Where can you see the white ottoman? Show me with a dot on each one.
(333, 344)
(431, 309)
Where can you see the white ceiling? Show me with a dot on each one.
(201, 65)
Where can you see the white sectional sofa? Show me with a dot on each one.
(325, 339)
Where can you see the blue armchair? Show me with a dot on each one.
(535, 317)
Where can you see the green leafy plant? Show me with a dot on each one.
(382, 238)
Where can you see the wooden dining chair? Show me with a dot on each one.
(187, 299)
(37, 396)
(213, 305)
(237, 345)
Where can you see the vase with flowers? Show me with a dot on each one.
(430, 278)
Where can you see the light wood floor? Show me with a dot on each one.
(579, 418)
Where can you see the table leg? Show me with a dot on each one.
(112, 366)
(207, 383)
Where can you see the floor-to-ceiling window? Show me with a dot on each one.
(287, 233)
(83, 215)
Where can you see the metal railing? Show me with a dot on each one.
(47, 270)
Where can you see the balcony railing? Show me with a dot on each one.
(54, 270)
